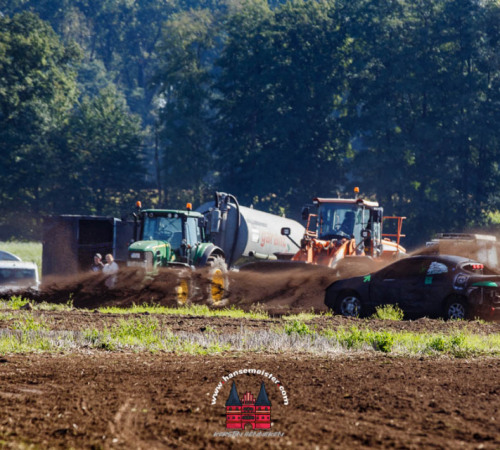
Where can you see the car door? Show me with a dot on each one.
(400, 283)
(437, 286)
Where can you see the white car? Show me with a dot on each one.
(18, 276)
(7, 256)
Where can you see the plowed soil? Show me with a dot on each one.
(105, 400)
(99, 399)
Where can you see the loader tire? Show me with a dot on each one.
(217, 289)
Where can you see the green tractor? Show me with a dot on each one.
(167, 238)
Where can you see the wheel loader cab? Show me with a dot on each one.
(356, 219)
(341, 220)
(346, 227)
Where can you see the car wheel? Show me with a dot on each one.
(456, 309)
(349, 304)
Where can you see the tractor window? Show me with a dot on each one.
(364, 216)
(163, 229)
(192, 231)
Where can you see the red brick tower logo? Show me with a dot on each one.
(248, 410)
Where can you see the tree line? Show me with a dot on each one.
(102, 103)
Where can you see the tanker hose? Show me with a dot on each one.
(237, 231)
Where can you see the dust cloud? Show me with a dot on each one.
(278, 288)
(298, 289)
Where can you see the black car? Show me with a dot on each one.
(446, 286)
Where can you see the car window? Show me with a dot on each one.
(437, 268)
(17, 275)
(408, 268)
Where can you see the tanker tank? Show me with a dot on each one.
(246, 234)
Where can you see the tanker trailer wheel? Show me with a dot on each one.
(349, 304)
(218, 284)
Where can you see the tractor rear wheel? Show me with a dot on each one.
(218, 284)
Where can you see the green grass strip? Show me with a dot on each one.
(457, 344)
(193, 310)
(17, 302)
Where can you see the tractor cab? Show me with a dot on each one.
(166, 237)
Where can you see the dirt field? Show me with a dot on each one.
(102, 399)
(164, 401)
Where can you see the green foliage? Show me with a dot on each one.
(136, 331)
(297, 327)
(184, 114)
(15, 302)
(388, 312)
(351, 338)
(383, 341)
(426, 89)
(275, 109)
(274, 102)
(99, 339)
(193, 310)
(31, 332)
(303, 317)
(456, 344)
(103, 140)
(37, 89)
